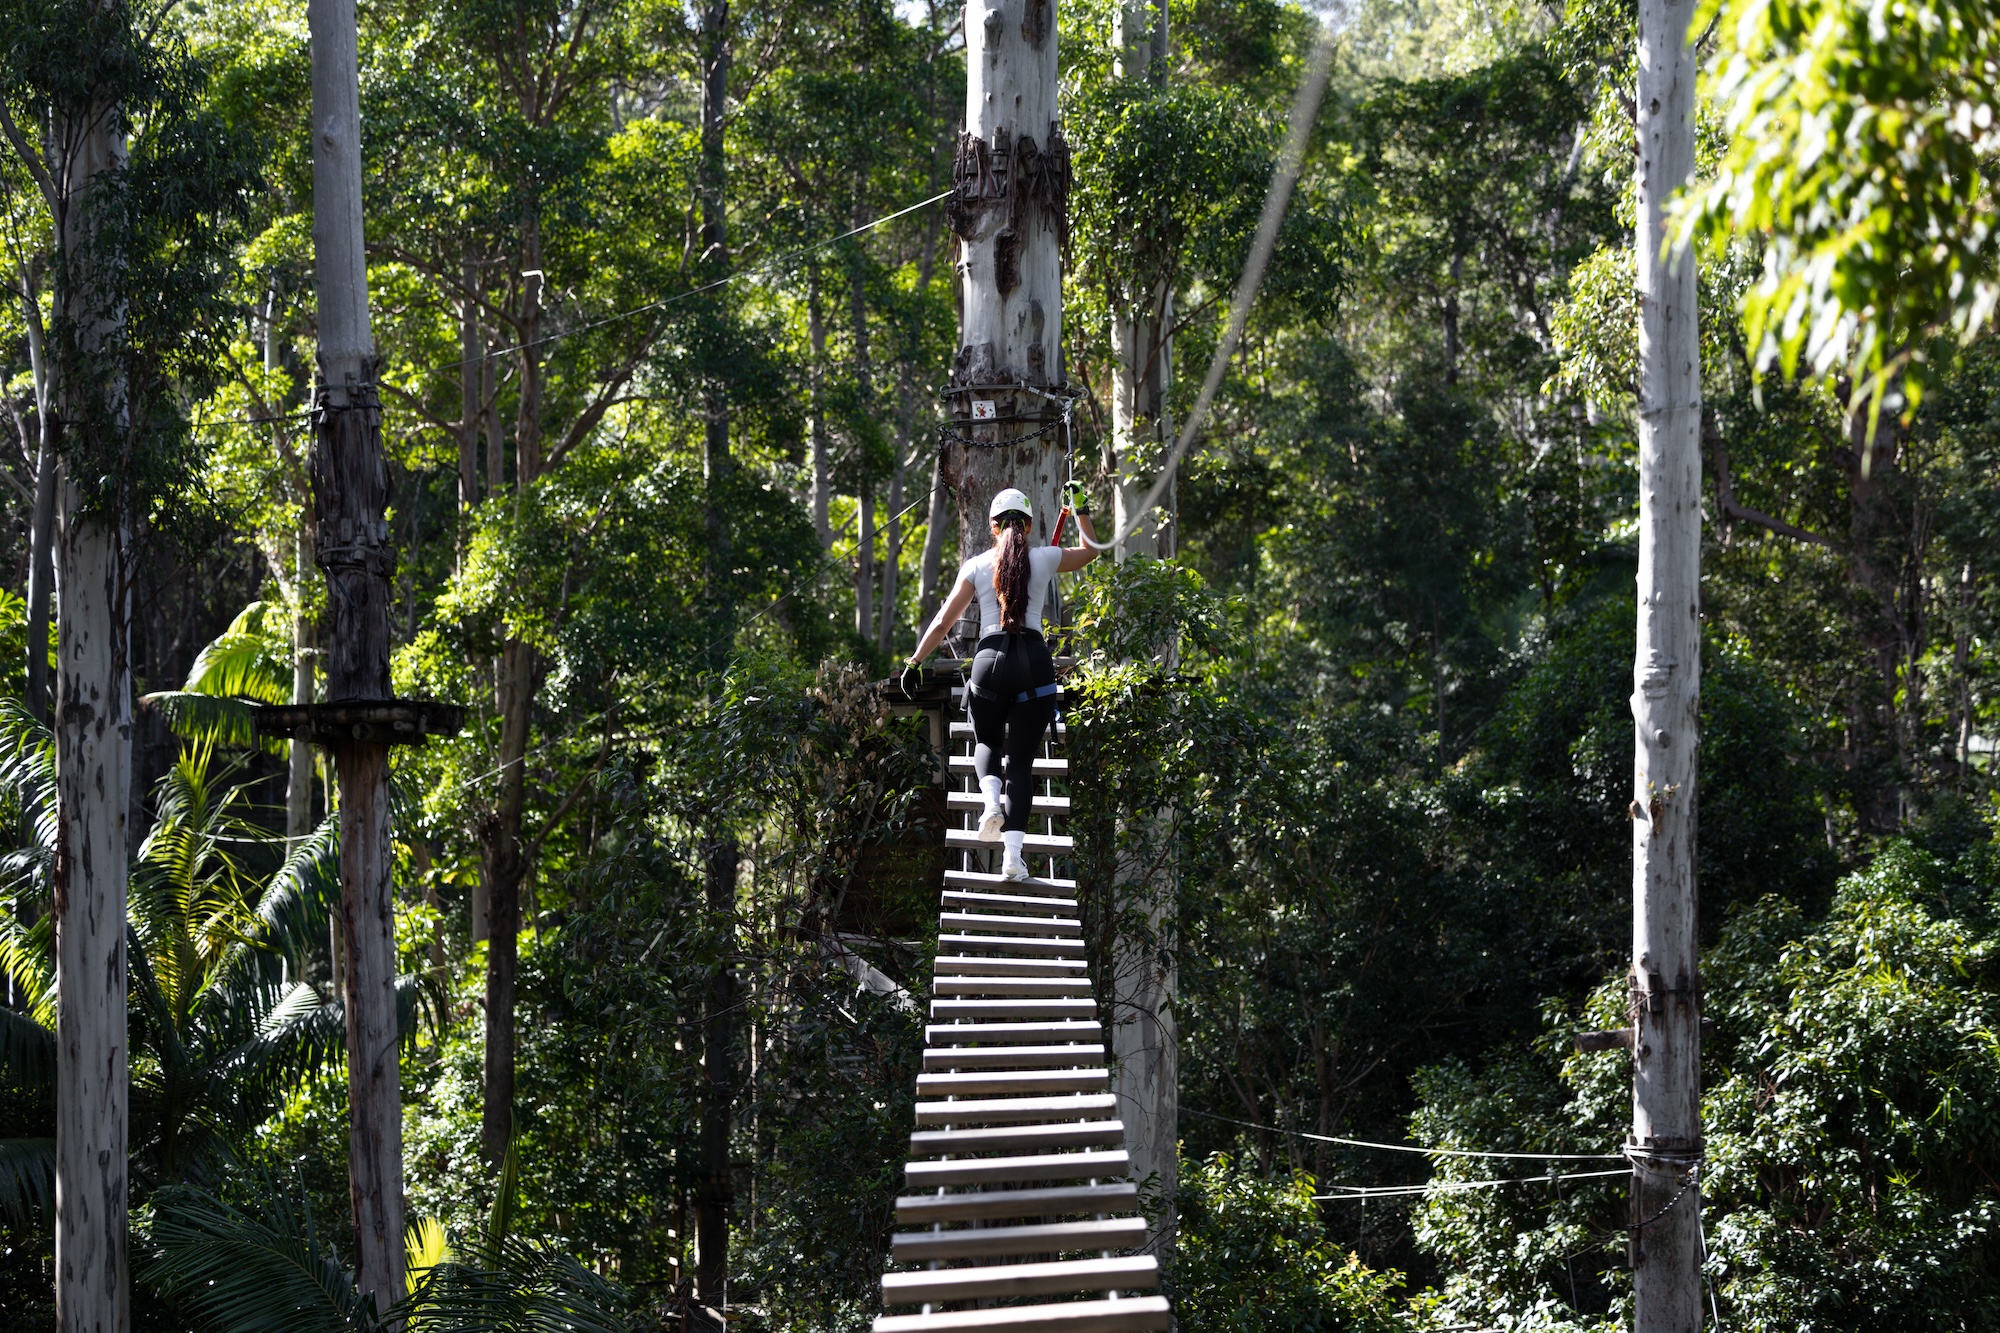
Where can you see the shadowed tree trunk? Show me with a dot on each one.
(350, 483)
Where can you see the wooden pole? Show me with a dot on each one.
(1008, 210)
(1665, 981)
(350, 499)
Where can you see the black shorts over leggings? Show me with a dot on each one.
(1006, 667)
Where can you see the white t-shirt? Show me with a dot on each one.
(978, 571)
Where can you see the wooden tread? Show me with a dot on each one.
(1017, 1110)
(997, 1281)
(958, 964)
(972, 800)
(1010, 1057)
(1044, 844)
(1011, 902)
(1011, 925)
(986, 1205)
(979, 879)
(1032, 986)
(1049, 946)
(1069, 1029)
(1136, 1314)
(1056, 1134)
(1105, 1233)
(985, 1083)
(1044, 768)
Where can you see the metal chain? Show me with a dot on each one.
(1693, 1174)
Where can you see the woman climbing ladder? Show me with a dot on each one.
(1011, 692)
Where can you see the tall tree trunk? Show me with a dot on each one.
(716, 1197)
(864, 562)
(1666, 677)
(42, 519)
(299, 758)
(822, 454)
(93, 736)
(496, 444)
(93, 777)
(892, 536)
(929, 570)
(1138, 320)
(714, 1200)
(469, 402)
(504, 873)
(350, 499)
(1009, 209)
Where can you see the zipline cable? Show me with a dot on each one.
(1411, 1147)
(1291, 161)
(1452, 1186)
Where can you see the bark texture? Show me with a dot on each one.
(716, 1197)
(350, 485)
(1666, 678)
(93, 735)
(1009, 212)
(93, 780)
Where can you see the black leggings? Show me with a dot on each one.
(1006, 667)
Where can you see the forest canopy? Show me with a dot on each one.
(664, 297)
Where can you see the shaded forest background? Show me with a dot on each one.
(1387, 776)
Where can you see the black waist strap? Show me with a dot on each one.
(1039, 692)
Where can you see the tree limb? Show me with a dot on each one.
(1725, 497)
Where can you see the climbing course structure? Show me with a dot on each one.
(1020, 1211)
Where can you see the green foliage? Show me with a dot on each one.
(1861, 146)
(1254, 1258)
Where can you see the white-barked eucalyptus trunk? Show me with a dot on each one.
(1665, 981)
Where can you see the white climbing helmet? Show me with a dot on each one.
(1010, 501)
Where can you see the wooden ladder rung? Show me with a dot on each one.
(952, 1142)
(1012, 925)
(1013, 902)
(1044, 844)
(1017, 1110)
(1135, 1314)
(1015, 1008)
(980, 879)
(1071, 1029)
(969, 965)
(1010, 1057)
(986, 1205)
(1044, 768)
(984, 1083)
(1031, 986)
(1044, 946)
(1104, 1233)
(972, 800)
(997, 1281)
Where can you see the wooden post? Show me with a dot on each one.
(350, 497)
(93, 735)
(1009, 210)
(1666, 1139)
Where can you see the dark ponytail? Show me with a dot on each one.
(1010, 572)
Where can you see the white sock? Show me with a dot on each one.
(1014, 838)
(991, 787)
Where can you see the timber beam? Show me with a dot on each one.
(382, 721)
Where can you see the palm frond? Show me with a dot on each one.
(196, 716)
(252, 659)
(302, 1033)
(27, 1051)
(301, 896)
(28, 768)
(27, 1178)
(261, 1269)
(522, 1287)
(27, 957)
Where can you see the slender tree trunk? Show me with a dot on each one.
(822, 454)
(469, 400)
(892, 536)
(496, 445)
(42, 518)
(1666, 676)
(504, 874)
(864, 563)
(930, 569)
(1139, 51)
(93, 736)
(299, 759)
(716, 1198)
(350, 497)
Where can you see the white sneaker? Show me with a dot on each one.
(989, 824)
(1012, 866)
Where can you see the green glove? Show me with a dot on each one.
(1077, 498)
